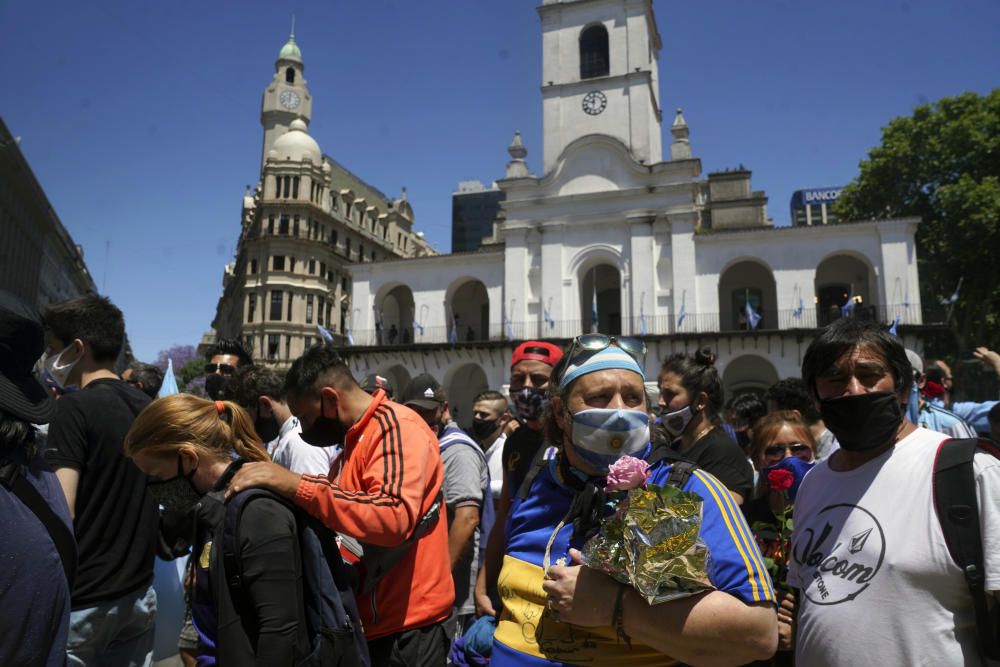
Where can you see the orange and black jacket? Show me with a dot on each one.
(390, 476)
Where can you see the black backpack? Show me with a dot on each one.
(957, 507)
(333, 624)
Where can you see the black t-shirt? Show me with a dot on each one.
(116, 519)
(518, 452)
(717, 453)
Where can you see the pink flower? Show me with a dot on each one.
(627, 472)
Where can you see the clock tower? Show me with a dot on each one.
(600, 75)
(286, 96)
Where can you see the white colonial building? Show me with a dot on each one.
(611, 228)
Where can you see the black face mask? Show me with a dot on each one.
(482, 428)
(267, 428)
(863, 422)
(325, 431)
(217, 385)
(177, 493)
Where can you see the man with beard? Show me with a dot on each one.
(223, 359)
(387, 495)
(261, 393)
(877, 584)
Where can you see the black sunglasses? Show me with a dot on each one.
(225, 369)
(794, 450)
(596, 342)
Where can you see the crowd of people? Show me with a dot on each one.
(335, 520)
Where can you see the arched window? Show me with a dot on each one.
(594, 60)
(290, 73)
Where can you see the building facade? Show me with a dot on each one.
(39, 262)
(612, 237)
(474, 210)
(302, 228)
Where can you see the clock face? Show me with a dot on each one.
(594, 102)
(289, 99)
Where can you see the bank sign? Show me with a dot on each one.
(820, 196)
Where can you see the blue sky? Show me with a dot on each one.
(141, 119)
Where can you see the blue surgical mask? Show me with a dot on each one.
(601, 436)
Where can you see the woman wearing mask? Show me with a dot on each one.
(559, 612)
(190, 448)
(690, 402)
(777, 438)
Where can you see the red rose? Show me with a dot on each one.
(780, 480)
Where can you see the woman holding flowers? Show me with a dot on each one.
(559, 612)
(782, 450)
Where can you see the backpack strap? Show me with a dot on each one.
(681, 468)
(379, 561)
(537, 463)
(62, 536)
(957, 507)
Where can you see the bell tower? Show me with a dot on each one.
(286, 96)
(600, 75)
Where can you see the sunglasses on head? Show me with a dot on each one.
(596, 342)
(797, 449)
(225, 369)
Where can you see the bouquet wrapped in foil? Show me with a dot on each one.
(651, 541)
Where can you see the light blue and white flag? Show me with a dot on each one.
(452, 332)
(680, 316)
(753, 319)
(848, 308)
(325, 333)
(954, 295)
(894, 327)
(642, 321)
(169, 385)
(797, 313)
(547, 316)
(508, 327)
(593, 312)
(350, 338)
(417, 326)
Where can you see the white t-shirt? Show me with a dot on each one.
(290, 451)
(494, 461)
(878, 586)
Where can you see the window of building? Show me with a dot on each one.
(283, 225)
(333, 237)
(288, 347)
(322, 269)
(330, 277)
(270, 225)
(344, 284)
(290, 75)
(361, 252)
(312, 267)
(373, 255)
(290, 299)
(253, 266)
(319, 316)
(309, 308)
(251, 306)
(272, 346)
(594, 60)
(347, 247)
(739, 301)
(248, 342)
(291, 264)
(329, 313)
(278, 263)
(295, 187)
(286, 181)
(295, 225)
(275, 314)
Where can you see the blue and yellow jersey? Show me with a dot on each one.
(526, 633)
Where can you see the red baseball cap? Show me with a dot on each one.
(536, 350)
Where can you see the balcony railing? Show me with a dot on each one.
(659, 325)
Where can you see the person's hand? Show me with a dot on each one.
(484, 605)
(786, 621)
(578, 594)
(989, 357)
(265, 475)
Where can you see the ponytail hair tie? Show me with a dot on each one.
(221, 407)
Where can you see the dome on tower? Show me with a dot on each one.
(290, 51)
(297, 145)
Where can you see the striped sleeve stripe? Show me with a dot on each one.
(388, 463)
(394, 432)
(381, 500)
(756, 572)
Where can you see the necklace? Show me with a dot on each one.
(702, 433)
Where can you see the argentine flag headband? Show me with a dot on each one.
(611, 357)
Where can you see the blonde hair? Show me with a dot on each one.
(215, 429)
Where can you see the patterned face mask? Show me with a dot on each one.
(601, 436)
(530, 403)
(177, 493)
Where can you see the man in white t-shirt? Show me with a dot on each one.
(490, 416)
(260, 392)
(876, 584)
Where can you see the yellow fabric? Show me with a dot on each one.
(527, 626)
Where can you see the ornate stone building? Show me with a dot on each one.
(306, 223)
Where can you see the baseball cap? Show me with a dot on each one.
(22, 341)
(536, 350)
(424, 392)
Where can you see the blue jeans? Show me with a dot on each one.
(118, 633)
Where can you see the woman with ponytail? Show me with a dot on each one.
(691, 398)
(190, 448)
